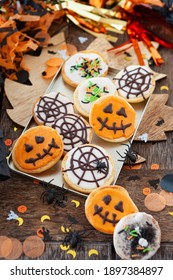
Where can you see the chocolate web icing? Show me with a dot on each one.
(73, 130)
(134, 82)
(87, 163)
(113, 127)
(51, 108)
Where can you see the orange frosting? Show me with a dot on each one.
(39, 154)
(106, 206)
(112, 117)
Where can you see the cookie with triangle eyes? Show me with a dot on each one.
(83, 65)
(90, 90)
(37, 149)
(113, 118)
(106, 206)
(137, 236)
(135, 83)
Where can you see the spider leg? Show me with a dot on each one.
(120, 155)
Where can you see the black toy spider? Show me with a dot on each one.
(101, 166)
(54, 195)
(130, 156)
(74, 239)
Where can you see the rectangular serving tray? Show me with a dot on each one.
(54, 174)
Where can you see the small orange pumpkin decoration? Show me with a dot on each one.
(113, 118)
(105, 206)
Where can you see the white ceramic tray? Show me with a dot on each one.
(54, 174)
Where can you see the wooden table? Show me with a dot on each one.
(22, 190)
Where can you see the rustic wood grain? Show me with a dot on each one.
(21, 190)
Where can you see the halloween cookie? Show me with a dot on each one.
(37, 149)
(74, 130)
(135, 83)
(106, 206)
(87, 167)
(113, 118)
(84, 65)
(88, 91)
(137, 236)
(51, 106)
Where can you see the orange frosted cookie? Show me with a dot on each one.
(113, 118)
(37, 149)
(105, 207)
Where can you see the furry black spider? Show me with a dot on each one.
(101, 166)
(130, 156)
(54, 195)
(74, 239)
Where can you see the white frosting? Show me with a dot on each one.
(73, 130)
(55, 105)
(105, 85)
(135, 82)
(77, 58)
(87, 176)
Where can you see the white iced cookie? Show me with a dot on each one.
(137, 236)
(74, 130)
(88, 91)
(84, 65)
(51, 106)
(135, 83)
(87, 167)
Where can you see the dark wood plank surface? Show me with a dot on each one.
(21, 189)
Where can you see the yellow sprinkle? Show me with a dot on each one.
(127, 58)
(164, 87)
(64, 248)
(15, 128)
(170, 213)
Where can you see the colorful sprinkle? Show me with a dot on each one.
(146, 191)
(8, 142)
(155, 166)
(92, 252)
(22, 209)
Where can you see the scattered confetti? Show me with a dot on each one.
(12, 216)
(167, 182)
(155, 166)
(8, 142)
(146, 191)
(76, 202)
(83, 39)
(36, 182)
(63, 54)
(39, 233)
(164, 87)
(64, 248)
(143, 137)
(160, 122)
(65, 229)
(15, 129)
(49, 72)
(45, 217)
(72, 252)
(154, 183)
(170, 213)
(20, 220)
(54, 62)
(22, 209)
(92, 252)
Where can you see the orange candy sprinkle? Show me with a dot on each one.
(146, 191)
(8, 142)
(22, 209)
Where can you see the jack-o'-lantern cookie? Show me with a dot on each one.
(37, 149)
(106, 206)
(74, 130)
(135, 83)
(113, 118)
(89, 91)
(51, 106)
(137, 236)
(87, 167)
(84, 65)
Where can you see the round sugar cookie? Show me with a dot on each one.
(135, 83)
(113, 118)
(37, 149)
(87, 167)
(105, 207)
(88, 91)
(74, 130)
(137, 236)
(84, 65)
(51, 106)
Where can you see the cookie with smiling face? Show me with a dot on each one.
(106, 206)
(137, 236)
(37, 149)
(135, 83)
(113, 118)
(84, 65)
